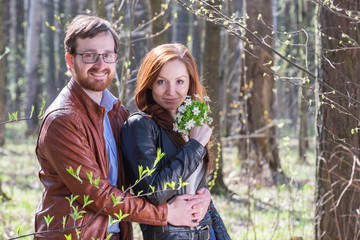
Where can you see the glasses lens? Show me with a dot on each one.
(109, 57)
(89, 57)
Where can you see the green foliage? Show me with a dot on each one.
(68, 237)
(115, 200)
(48, 220)
(75, 175)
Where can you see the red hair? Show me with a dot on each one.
(148, 72)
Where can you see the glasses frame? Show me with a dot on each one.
(97, 57)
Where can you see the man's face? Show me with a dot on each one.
(93, 76)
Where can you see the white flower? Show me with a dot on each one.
(175, 127)
(187, 101)
(188, 97)
(190, 124)
(207, 99)
(178, 117)
(210, 120)
(196, 111)
(197, 96)
(182, 109)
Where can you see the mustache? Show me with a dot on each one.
(96, 69)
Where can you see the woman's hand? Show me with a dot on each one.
(205, 194)
(182, 211)
(201, 134)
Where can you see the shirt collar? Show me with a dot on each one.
(108, 100)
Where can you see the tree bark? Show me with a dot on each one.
(211, 76)
(338, 140)
(158, 25)
(259, 82)
(32, 64)
(49, 63)
(182, 25)
(19, 48)
(2, 78)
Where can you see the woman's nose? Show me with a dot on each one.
(170, 89)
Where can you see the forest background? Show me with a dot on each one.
(284, 80)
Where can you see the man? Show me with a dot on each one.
(82, 128)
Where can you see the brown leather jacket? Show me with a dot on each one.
(71, 135)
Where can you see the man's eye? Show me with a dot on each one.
(89, 55)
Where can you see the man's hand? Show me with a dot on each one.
(204, 194)
(182, 211)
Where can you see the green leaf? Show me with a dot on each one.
(41, 113)
(72, 199)
(116, 201)
(86, 201)
(140, 171)
(32, 111)
(68, 237)
(48, 220)
(64, 222)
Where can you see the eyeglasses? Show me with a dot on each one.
(110, 57)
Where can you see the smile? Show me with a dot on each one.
(98, 74)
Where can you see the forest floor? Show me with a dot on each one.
(258, 210)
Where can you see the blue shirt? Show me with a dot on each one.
(108, 101)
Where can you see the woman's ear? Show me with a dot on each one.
(69, 60)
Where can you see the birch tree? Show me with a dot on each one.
(33, 62)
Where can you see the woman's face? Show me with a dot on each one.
(171, 86)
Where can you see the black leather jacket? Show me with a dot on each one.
(141, 137)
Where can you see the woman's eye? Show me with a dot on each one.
(160, 81)
(180, 81)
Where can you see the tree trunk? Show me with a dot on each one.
(303, 92)
(61, 78)
(259, 81)
(49, 63)
(231, 67)
(2, 77)
(19, 48)
(197, 30)
(32, 63)
(158, 25)
(212, 82)
(338, 169)
(182, 25)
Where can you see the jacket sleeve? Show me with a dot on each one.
(139, 148)
(63, 144)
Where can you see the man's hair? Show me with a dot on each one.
(84, 26)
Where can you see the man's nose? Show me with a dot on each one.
(100, 61)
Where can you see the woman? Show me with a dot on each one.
(166, 76)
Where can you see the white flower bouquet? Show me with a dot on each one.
(192, 113)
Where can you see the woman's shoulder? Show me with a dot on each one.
(140, 119)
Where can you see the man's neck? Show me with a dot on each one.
(96, 96)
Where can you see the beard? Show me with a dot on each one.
(97, 85)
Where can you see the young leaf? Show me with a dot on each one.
(64, 222)
(68, 237)
(41, 113)
(48, 220)
(32, 111)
